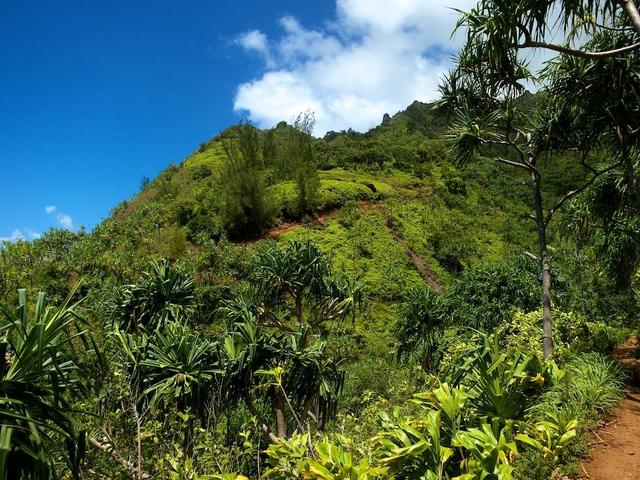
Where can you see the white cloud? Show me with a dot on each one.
(65, 220)
(375, 58)
(18, 235)
(15, 236)
(255, 40)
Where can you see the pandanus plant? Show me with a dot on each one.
(291, 370)
(164, 294)
(297, 282)
(39, 373)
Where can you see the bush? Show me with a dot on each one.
(247, 208)
(485, 296)
(603, 338)
(592, 386)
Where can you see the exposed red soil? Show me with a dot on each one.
(615, 452)
(319, 219)
(425, 271)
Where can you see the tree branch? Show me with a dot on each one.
(524, 166)
(265, 429)
(631, 10)
(110, 450)
(572, 193)
(579, 53)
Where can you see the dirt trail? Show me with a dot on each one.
(425, 271)
(615, 452)
(319, 219)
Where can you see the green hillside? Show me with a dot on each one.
(391, 280)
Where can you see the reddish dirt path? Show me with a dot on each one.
(615, 452)
(425, 271)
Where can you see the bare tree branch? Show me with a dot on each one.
(580, 53)
(524, 166)
(572, 193)
(110, 450)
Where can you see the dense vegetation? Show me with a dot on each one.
(358, 306)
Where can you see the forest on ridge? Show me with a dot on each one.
(435, 299)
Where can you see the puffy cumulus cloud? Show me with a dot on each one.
(65, 220)
(18, 235)
(376, 57)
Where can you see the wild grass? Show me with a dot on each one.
(592, 386)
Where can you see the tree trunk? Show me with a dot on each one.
(281, 420)
(631, 10)
(187, 448)
(547, 338)
(298, 309)
(631, 175)
(265, 428)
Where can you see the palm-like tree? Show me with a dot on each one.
(291, 370)
(298, 280)
(170, 366)
(164, 294)
(421, 326)
(39, 370)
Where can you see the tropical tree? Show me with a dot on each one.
(490, 118)
(590, 95)
(165, 293)
(41, 373)
(291, 370)
(170, 367)
(299, 164)
(247, 208)
(592, 81)
(421, 327)
(297, 283)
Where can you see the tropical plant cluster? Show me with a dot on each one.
(436, 298)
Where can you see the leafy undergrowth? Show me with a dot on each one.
(500, 415)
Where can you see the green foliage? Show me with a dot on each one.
(501, 383)
(362, 247)
(449, 401)
(298, 458)
(413, 449)
(590, 386)
(551, 436)
(485, 296)
(420, 328)
(41, 375)
(164, 294)
(489, 453)
(299, 278)
(482, 297)
(247, 207)
(178, 366)
(299, 165)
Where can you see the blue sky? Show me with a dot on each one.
(94, 95)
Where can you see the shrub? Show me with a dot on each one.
(247, 208)
(485, 296)
(591, 386)
(603, 338)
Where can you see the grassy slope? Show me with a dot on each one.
(381, 193)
